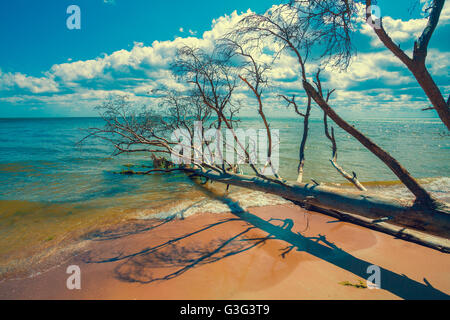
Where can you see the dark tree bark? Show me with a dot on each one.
(417, 64)
(422, 196)
(376, 209)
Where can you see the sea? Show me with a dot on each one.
(55, 192)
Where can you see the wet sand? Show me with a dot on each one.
(272, 252)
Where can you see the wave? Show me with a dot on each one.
(240, 200)
(234, 202)
(439, 187)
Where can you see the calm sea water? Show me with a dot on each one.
(53, 191)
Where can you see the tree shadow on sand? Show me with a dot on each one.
(176, 258)
(124, 231)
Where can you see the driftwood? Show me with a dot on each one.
(351, 178)
(355, 207)
(213, 84)
(384, 225)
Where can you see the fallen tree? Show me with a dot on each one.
(127, 131)
(380, 209)
(404, 221)
(294, 28)
(212, 78)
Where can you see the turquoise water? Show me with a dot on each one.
(422, 146)
(52, 190)
(40, 161)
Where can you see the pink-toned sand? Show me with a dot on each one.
(230, 260)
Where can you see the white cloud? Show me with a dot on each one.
(404, 31)
(438, 62)
(445, 14)
(370, 66)
(18, 80)
(397, 29)
(81, 97)
(142, 68)
(158, 55)
(153, 61)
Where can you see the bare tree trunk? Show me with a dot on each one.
(301, 152)
(383, 225)
(433, 221)
(432, 91)
(302, 158)
(353, 179)
(417, 64)
(422, 196)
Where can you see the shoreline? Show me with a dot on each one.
(270, 252)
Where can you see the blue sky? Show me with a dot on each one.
(124, 47)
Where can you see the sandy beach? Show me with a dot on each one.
(271, 252)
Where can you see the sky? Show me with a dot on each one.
(125, 47)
